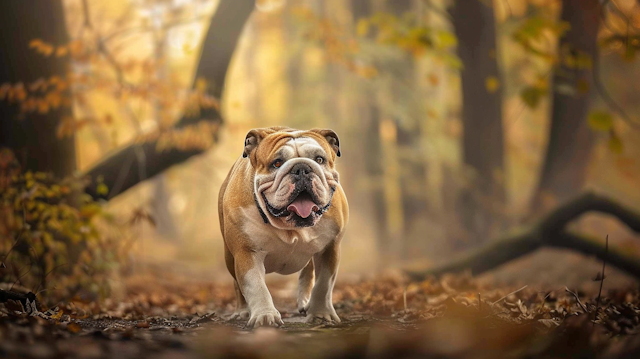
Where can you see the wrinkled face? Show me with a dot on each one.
(295, 178)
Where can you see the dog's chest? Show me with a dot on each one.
(288, 251)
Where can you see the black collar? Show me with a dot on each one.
(262, 214)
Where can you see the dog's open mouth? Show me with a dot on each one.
(302, 205)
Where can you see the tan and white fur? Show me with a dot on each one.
(282, 210)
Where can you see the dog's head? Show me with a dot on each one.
(294, 173)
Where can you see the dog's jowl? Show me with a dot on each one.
(282, 210)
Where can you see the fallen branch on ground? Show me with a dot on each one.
(550, 231)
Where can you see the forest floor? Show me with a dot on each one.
(386, 316)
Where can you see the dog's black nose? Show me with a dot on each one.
(301, 169)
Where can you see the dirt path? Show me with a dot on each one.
(385, 317)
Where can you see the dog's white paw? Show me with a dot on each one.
(325, 314)
(303, 306)
(242, 314)
(270, 318)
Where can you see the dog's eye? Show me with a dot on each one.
(320, 160)
(277, 163)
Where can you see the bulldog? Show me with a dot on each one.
(282, 210)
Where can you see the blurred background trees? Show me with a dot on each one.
(459, 119)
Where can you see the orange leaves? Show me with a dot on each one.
(194, 137)
(13, 93)
(40, 96)
(42, 47)
(74, 48)
(99, 70)
(69, 125)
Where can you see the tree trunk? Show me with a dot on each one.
(137, 162)
(32, 136)
(409, 136)
(370, 118)
(570, 139)
(483, 148)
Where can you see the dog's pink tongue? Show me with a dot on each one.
(302, 207)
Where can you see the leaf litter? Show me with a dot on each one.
(383, 316)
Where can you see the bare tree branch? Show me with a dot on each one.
(548, 232)
(219, 44)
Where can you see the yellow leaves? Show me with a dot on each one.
(535, 33)
(90, 210)
(407, 34)
(33, 210)
(201, 84)
(362, 29)
(531, 95)
(446, 39)
(600, 121)
(492, 84)
(575, 59)
(102, 189)
(626, 45)
(338, 47)
(615, 143)
(187, 49)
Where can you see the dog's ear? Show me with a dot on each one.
(331, 137)
(251, 141)
(256, 135)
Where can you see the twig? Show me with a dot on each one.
(544, 299)
(143, 29)
(604, 263)
(404, 299)
(505, 297)
(20, 276)
(37, 290)
(577, 299)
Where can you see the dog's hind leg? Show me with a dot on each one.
(242, 310)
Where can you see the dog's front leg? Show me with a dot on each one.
(250, 273)
(326, 268)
